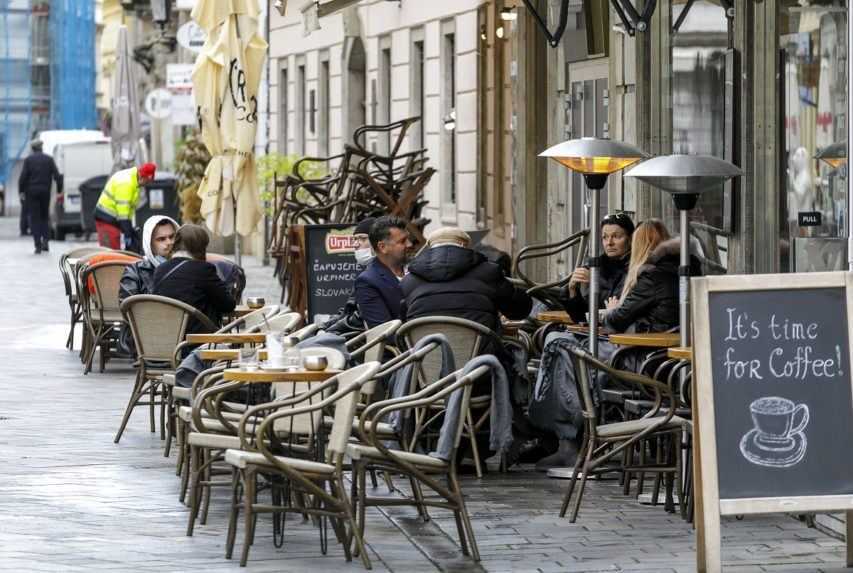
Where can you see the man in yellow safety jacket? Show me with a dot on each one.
(117, 205)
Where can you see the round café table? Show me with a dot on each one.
(279, 375)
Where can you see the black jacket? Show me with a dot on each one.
(38, 172)
(452, 281)
(652, 305)
(195, 283)
(137, 278)
(611, 277)
(378, 294)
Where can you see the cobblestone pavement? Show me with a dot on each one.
(71, 500)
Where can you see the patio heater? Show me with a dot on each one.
(835, 156)
(685, 177)
(595, 159)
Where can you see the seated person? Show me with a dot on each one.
(377, 288)
(616, 231)
(158, 237)
(648, 303)
(450, 279)
(187, 277)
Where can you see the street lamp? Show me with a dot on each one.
(685, 177)
(595, 159)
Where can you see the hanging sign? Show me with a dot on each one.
(773, 399)
(191, 36)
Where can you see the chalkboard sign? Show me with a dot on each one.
(773, 414)
(331, 269)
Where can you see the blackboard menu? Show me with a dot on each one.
(331, 269)
(782, 392)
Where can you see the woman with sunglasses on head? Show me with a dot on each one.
(616, 232)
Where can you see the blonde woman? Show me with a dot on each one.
(649, 298)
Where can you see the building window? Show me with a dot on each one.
(448, 97)
(300, 109)
(418, 93)
(385, 93)
(324, 108)
(282, 111)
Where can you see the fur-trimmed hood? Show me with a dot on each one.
(668, 254)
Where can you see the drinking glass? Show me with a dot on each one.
(249, 359)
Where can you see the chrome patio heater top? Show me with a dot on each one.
(595, 159)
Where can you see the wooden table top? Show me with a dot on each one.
(681, 353)
(255, 376)
(242, 310)
(226, 354)
(647, 339)
(560, 316)
(235, 338)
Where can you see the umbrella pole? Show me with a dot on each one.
(238, 241)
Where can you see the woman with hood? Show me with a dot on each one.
(158, 238)
(649, 298)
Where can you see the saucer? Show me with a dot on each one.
(275, 367)
(779, 454)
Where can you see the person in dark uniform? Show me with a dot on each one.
(34, 184)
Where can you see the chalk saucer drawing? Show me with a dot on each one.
(777, 439)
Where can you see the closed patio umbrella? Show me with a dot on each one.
(225, 86)
(124, 104)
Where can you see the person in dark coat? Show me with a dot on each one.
(616, 231)
(187, 277)
(377, 288)
(38, 173)
(449, 279)
(649, 300)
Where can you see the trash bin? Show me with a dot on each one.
(161, 199)
(90, 192)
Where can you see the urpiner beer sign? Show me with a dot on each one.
(340, 242)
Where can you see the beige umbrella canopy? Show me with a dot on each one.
(225, 87)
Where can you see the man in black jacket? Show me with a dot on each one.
(450, 279)
(37, 175)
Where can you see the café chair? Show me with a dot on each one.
(101, 310)
(603, 442)
(67, 269)
(422, 469)
(214, 428)
(467, 339)
(251, 320)
(305, 477)
(159, 326)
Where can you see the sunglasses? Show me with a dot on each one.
(616, 219)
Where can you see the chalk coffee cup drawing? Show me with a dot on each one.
(777, 438)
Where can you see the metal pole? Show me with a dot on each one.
(849, 142)
(684, 281)
(595, 253)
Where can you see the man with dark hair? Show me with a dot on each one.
(189, 278)
(37, 175)
(377, 288)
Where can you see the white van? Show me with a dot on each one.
(77, 162)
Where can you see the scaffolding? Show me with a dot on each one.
(16, 86)
(72, 65)
(47, 66)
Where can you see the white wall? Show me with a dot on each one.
(380, 23)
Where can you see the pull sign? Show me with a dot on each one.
(809, 218)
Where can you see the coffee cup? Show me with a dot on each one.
(776, 419)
